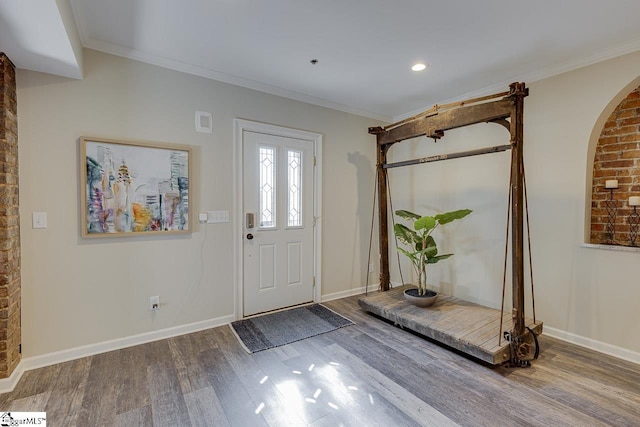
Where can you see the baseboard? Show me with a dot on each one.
(611, 350)
(8, 384)
(29, 363)
(601, 347)
(349, 293)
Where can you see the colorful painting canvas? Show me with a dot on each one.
(134, 188)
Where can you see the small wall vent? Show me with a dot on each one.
(204, 122)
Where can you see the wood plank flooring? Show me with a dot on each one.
(465, 326)
(369, 374)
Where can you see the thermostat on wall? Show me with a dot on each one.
(204, 122)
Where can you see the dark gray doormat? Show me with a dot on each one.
(284, 327)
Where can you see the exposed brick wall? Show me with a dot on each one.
(10, 333)
(617, 157)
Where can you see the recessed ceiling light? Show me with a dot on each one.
(419, 67)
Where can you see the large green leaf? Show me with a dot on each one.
(438, 258)
(407, 215)
(412, 256)
(405, 234)
(425, 223)
(448, 217)
(431, 250)
(426, 251)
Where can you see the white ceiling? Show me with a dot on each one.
(365, 48)
(40, 35)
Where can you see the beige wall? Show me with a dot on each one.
(588, 292)
(78, 292)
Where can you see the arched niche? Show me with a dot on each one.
(614, 153)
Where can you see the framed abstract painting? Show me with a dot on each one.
(133, 188)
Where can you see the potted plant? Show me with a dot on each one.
(423, 249)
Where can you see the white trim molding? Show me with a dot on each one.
(27, 364)
(601, 347)
(615, 248)
(35, 362)
(239, 127)
(8, 384)
(350, 292)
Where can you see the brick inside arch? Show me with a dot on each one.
(10, 329)
(617, 156)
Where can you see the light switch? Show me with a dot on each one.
(203, 216)
(39, 220)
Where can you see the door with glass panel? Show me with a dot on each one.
(278, 222)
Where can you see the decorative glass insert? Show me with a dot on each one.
(267, 165)
(294, 200)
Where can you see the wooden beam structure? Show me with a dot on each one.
(506, 109)
(434, 126)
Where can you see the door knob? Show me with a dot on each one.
(250, 236)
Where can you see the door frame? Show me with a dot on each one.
(239, 127)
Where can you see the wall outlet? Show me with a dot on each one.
(371, 267)
(217, 216)
(154, 303)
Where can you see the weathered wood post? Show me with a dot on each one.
(383, 226)
(517, 94)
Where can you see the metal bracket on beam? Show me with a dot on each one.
(434, 133)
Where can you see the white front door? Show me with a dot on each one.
(278, 247)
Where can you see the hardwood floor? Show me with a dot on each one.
(370, 374)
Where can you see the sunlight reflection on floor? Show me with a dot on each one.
(320, 385)
(259, 408)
